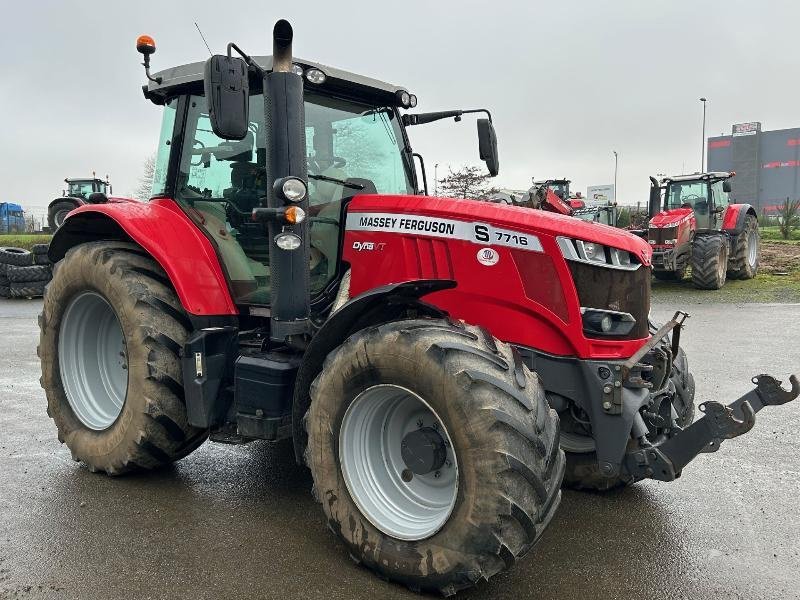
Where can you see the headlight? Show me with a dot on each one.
(288, 241)
(596, 254)
(606, 322)
(316, 76)
(292, 189)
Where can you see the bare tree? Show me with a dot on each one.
(467, 182)
(145, 187)
(789, 217)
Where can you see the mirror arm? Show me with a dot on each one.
(424, 118)
(247, 59)
(422, 168)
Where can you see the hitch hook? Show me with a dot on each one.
(723, 425)
(771, 393)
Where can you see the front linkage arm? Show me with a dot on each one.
(666, 460)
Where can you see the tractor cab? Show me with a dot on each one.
(83, 188)
(355, 143)
(706, 195)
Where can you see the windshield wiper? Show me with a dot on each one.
(347, 184)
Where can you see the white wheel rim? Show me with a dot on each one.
(370, 439)
(92, 360)
(752, 248)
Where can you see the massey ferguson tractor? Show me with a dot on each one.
(553, 195)
(289, 280)
(692, 223)
(78, 193)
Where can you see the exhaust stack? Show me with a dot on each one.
(286, 157)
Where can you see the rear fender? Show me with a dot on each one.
(735, 217)
(168, 235)
(373, 307)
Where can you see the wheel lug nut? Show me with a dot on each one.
(437, 474)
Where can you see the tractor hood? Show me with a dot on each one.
(513, 218)
(671, 218)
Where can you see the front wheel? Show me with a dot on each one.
(434, 453)
(111, 330)
(709, 261)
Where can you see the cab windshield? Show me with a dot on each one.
(688, 194)
(221, 181)
(79, 188)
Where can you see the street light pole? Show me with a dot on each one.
(616, 164)
(436, 179)
(703, 139)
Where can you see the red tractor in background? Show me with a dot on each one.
(440, 366)
(692, 223)
(554, 195)
(79, 192)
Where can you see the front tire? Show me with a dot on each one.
(496, 430)
(111, 329)
(709, 261)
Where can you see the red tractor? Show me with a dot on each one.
(692, 223)
(289, 280)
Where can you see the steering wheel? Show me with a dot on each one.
(201, 156)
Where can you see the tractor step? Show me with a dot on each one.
(665, 461)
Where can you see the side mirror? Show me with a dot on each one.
(726, 186)
(227, 89)
(487, 146)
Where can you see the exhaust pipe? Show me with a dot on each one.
(655, 197)
(286, 156)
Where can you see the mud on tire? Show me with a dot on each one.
(709, 261)
(151, 429)
(504, 435)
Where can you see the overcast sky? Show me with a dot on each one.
(567, 82)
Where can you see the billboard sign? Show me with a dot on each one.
(746, 128)
(601, 194)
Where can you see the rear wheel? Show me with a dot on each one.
(111, 330)
(434, 453)
(709, 261)
(57, 213)
(745, 256)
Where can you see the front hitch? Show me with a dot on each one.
(666, 460)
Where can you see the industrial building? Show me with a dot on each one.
(767, 164)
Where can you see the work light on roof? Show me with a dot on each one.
(316, 76)
(412, 101)
(297, 70)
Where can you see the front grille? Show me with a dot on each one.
(660, 235)
(615, 289)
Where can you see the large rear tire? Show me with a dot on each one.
(500, 468)
(745, 256)
(709, 261)
(57, 213)
(111, 329)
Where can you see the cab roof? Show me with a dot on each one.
(711, 175)
(189, 78)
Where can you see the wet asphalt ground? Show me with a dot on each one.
(240, 522)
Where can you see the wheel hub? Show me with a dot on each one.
(93, 360)
(398, 462)
(423, 451)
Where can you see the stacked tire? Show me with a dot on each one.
(24, 273)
